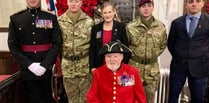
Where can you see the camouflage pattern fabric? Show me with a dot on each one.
(150, 75)
(76, 39)
(143, 41)
(147, 44)
(75, 60)
(77, 88)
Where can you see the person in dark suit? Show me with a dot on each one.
(106, 31)
(35, 40)
(188, 43)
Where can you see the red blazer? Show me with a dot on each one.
(122, 86)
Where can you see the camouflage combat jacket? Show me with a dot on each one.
(146, 43)
(76, 39)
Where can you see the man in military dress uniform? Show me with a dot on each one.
(34, 40)
(76, 28)
(147, 38)
(116, 82)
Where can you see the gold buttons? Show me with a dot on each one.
(114, 83)
(114, 92)
(114, 88)
(115, 78)
(114, 97)
(114, 73)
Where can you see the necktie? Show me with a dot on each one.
(192, 26)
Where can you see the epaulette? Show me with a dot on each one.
(53, 13)
(18, 12)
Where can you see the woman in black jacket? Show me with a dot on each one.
(104, 32)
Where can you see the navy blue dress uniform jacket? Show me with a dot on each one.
(118, 33)
(190, 53)
(28, 28)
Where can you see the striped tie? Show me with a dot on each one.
(192, 26)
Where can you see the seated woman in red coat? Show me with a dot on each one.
(115, 82)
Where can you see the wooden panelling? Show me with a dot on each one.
(4, 29)
(8, 64)
(13, 90)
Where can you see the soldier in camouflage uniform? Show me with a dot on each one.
(76, 27)
(147, 40)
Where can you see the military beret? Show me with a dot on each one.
(141, 2)
(114, 47)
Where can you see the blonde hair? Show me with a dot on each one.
(108, 3)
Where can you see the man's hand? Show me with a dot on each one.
(44, 69)
(36, 69)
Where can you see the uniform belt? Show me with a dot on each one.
(144, 61)
(32, 48)
(76, 57)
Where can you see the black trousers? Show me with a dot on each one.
(41, 90)
(197, 87)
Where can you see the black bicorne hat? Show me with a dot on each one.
(114, 47)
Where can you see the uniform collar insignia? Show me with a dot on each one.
(33, 10)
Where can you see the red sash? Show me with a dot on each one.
(44, 47)
(32, 48)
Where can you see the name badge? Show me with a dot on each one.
(43, 23)
(126, 80)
